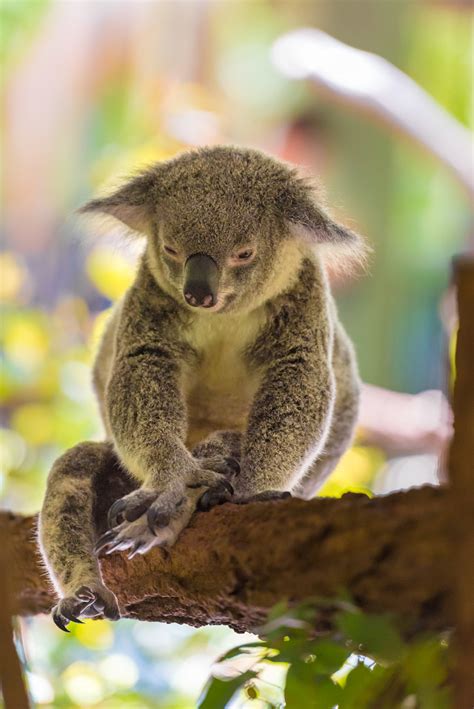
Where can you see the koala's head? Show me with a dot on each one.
(226, 227)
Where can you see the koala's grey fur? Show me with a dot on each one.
(265, 380)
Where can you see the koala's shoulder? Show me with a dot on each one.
(294, 316)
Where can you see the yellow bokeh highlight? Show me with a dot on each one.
(453, 341)
(83, 684)
(98, 328)
(95, 634)
(110, 272)
(354, 472)
(34, 423)
(12, 277)
(26, 341)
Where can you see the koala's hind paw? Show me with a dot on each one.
(89, 601)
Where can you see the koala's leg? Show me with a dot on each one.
(344, 418)
(67, 529)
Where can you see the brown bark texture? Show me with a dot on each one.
(232, 564)
(461, 472)
(12, 686)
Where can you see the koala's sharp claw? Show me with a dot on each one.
(134, 550)
(204, 502)
(157, 518)
(227, 486)
(58, 620)
(114, 546)
(234, 465)
(104, 541)
(72, 617)
(115, 515)
(136, 512)
(215, 496)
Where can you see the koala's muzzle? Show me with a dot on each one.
(201, 279)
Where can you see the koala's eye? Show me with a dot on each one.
(245, 255)
(241, 257)
(170, 251)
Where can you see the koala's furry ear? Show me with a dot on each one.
(132, 204)
(309, 221)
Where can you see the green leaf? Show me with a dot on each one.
(303, 690)
(425, 670)
(218, 693)
(299, 687)
(374, 635)
(327, 693)
(292, 650)
(358, 689)
(329, 656)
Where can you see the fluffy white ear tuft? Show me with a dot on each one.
(321, 229)
(132, 204)
(310, 224)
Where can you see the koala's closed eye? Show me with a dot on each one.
(242, 256)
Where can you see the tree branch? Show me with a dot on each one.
(233, 563)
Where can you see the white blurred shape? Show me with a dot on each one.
(405, 473)
(119, 670)
(305, 53)
(371, 83)
(193, 126)
(76, 381)
(40, 688)
(82, 683)
(12, 450)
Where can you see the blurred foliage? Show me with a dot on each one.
(359, 661)
(18, 23)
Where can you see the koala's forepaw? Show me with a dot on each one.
(89, 601)
(130, 507)
(225, 465)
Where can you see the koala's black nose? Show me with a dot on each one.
(201, 279)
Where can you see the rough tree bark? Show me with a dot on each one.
(234, 562)
(461, 469)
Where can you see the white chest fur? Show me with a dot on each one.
(219, 390)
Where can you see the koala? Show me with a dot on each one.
(224, 374)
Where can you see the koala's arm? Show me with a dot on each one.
(144, 406)
(291, 413)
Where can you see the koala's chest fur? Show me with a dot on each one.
(220, 387)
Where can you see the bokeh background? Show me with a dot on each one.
(92, 90)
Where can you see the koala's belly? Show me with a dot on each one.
(220, 389)
(219, 396)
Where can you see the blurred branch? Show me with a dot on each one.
(11, 679)
(231, 565)
(369, 83)
(405, 423)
